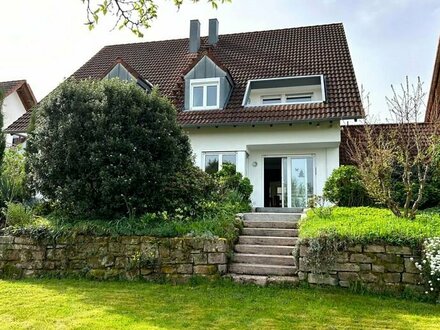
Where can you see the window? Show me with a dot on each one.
(213, 162)
(271, 99)
(297, 98)
(204, 94)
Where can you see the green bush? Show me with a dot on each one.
(231, 180)
(106, 149)
(13, 176)
(18, 215)
(344, 187)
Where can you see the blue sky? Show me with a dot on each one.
(46, 41)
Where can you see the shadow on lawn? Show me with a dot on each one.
(224, 305)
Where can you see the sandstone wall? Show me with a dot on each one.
(378, 267)
(129, 257)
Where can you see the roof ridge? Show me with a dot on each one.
(229, 34)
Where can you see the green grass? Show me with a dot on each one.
(81, 304)
(367, 225)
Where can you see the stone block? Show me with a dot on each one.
(378, 268)
(344, 284)
(348, 276)
(210, 246)
(164, 251)
(24, 240)
(394, 267)
(354, 248)
(303, 251)
(374, 248)
(368, 277)
(359, 257)
(303, 264)
(322, 279)
(185, 269)
(398, 249)
(222, 269)
(346, 267)
(217, 258)
(365, 266)
(121, 262)
(302, 276)
(392, 277)
(410, 266)
(167, 269)
(205, 270)
(411, 278)
(6, 239)
(200, 258)
(222, 245)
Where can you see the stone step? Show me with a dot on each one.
(277, 232)
(257, 269)
(270, 224)
(263, 259)
(264, 249)
(268, 240)
(272, 216)
(263, 280)
(279, 209)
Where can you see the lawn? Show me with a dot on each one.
(368, 225)
(81, 304)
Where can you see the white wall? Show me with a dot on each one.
(252, 144)
(12, 110)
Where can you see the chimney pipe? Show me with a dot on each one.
(213, 31)
(194, 36)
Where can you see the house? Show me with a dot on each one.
(269, 102)
(17, 103)
(433, 106)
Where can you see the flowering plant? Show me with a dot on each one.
(430, 266)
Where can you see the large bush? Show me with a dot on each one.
(344, 187)
(106, 148)
(231, 180)
(2, 136)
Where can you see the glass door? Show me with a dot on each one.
(298, 180)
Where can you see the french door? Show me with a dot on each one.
(297, 180)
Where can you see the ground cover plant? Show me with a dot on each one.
(368, 225)
(73, 304)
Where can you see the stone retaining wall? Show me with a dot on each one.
(129, 257)
(377, 267)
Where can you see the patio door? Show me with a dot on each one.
(298, 180)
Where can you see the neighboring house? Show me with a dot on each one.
(19, 99)
(433, 107)
(270, 102)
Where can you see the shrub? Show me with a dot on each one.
(344, 187)
(106, 148)
(18, 215)
(229, 179)
(13, 176)
(430, 267)
(2, 136)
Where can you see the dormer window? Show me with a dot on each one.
(204, 94)
(286, 90)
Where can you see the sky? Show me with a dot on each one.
(45, 41)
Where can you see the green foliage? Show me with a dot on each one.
(323, 252)
(13, 176)
(2, 136)
(317, 205)
(363, 225)
(229, 179)
(344, 187)
(18, 215)
(106, 149)
(430, 267)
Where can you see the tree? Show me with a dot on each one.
(106, 148)
(134, 15)
(405, 150)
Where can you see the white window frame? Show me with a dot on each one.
(278, 96)
(220, 155)
(248, 90)
(205, 82)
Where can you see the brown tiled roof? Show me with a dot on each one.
(9, 87)
(356, 132)
(433, 108)
(299, 51)
(20, 125)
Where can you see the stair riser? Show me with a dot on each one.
(264, 249)
(271, 224)
(281, 261)
(279, 209)
(255, 270)
(270, 232)
(286, 241)
(272, 216)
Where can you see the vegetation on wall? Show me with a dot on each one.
(2, 136)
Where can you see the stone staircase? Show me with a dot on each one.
(264, 252)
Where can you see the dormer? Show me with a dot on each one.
(285, 90)
(124, 72)
(207, 86)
